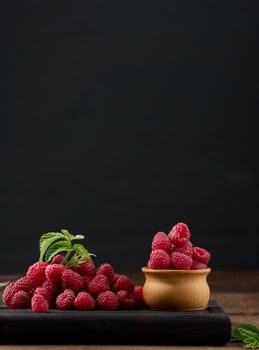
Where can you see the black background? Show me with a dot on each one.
(120, 118)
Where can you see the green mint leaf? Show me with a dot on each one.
(82, 251)
(67, 234)
(46, 240)
(78, 237)
(251, 342)
(4, 284)
(248, 333)
(75, 260)
(52, 243)
(55, 248)
(244, 331)
(71, 237)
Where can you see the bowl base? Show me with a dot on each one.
(175, 309)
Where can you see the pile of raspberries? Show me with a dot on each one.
(175, 251)
(82, 288)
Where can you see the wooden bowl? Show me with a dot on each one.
(176, 289)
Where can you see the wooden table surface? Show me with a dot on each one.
(236, 291)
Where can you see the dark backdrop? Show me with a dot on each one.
(120, 118)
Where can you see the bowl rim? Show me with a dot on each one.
(166, 271)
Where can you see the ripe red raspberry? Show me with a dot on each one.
(54, 272)
(108, 301)
(112, 283)
(126, 300)
(116, 276)
(124, 283)
(65, 300)
(21, 300)
(172, 248)
(54, 287)
(181, 261)
(98, 285)
(198, 266)
(86, 281)
(57, 259)
(161, 241)
(36, 273)
(24, 284)
(39, 304)
(201, 255)
(106, 270)
(8, 294)
(45, 293)
(71, 280)
(138, 296)
(185, 249)
(159, 259)
(87, 268)
(179, 234)
(84, 301)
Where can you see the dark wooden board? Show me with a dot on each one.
(209, 327)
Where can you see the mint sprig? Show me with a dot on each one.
(4, 284)
(52, 243)
(248, 333)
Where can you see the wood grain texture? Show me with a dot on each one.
(169, 289)
(238, 303)
(243, 281)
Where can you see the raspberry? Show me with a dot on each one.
(124, 283)
(36, 273)
(8, 294)
(116, 276)
(54, 272)
(161, 241)
(172, 248)
(84, 301)
(198, 266)
(201, 255)
(39, 304)
(159, 259)
(185, 249)
(57, 259)
(65, 300)
(52, 286)
(86, 281)
(24, 284)
(98, 285)
(86, 268)
(181, 261)
(106, 270)
(126, 299)
(71, 280)
(44, 292)
(179, 234)
(108, 301)
(138, 296)
(20, 300)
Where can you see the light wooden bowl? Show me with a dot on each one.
(176, 289)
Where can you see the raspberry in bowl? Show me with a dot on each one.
(176, 278)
